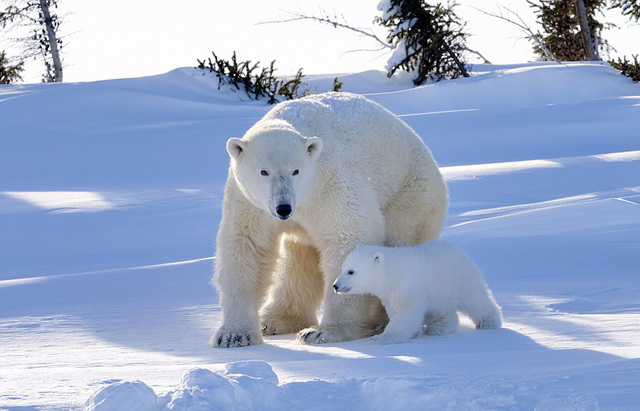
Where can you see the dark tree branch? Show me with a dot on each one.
(530, 35)
(326, 19)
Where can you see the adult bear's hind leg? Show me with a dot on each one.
(417, 212)
(348, 317)
(296, 293)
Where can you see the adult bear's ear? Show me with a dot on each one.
(235, 146)
(378, 258)
(314, 147)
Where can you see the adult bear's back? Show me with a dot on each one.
(346, 121)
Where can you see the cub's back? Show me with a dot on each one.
(436, 264)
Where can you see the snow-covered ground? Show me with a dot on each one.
(110, 197)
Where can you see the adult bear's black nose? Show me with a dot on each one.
(284, 211)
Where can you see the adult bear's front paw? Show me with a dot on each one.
(227, 339)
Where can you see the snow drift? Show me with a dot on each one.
(110, 198)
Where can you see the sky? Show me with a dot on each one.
(107, 39)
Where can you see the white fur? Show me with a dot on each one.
(349, 172)
(422, 288)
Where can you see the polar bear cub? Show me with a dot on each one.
(422, 288)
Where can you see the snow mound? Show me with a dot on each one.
(253, 385)
(128, 395)
(245, 385)
(514, 87)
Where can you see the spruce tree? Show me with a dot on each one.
(44, 41)
(628, 68)
(9, 73)
(629, 8)
(242, 75)
(561, 26)
(428, 39)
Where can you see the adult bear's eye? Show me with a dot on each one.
(296, 172)
(264, 172)
(350, 272)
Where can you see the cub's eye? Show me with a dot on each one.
(264, 172)
(296, 172)
(350, 272)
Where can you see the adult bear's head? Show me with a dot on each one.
(274, 167)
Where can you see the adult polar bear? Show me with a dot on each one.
(307, 183)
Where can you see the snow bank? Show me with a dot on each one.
(253, 385)
(246, 385)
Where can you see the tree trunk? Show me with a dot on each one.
(53, 43)
(589, 47)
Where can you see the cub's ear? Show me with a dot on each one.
(314, 147)
(235, 146)
(378, 258)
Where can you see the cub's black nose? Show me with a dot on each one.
(335, 287)
(284, 211)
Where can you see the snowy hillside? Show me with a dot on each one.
(110, 196)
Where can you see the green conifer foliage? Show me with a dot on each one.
(561, 28)
(9, 73)
(629, 8)
(630, 69)
(429, 39)
(263, 84)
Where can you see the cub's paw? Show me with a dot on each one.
(489, 324)
(388, 339)
(228, 339)
(279, 325)
(323, 335)
(442, 326)
(436, 329)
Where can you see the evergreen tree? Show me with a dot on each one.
(44, 42)
(562, 30)
(242, 75)
(428, 40)
(628, 68)
(629, 8)
(9, 73)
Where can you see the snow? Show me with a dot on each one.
(110, 196)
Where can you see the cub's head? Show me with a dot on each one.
(275, 168)
(361, 271)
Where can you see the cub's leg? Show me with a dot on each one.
(404, 324)
(440, 323)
